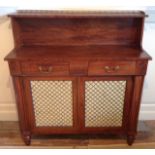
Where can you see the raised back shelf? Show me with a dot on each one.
(78, 28)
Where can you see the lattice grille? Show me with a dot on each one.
(104, 102)
(52, 101)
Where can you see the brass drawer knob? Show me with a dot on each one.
(45, 69)
(110, 69)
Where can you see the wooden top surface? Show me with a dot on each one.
(81, 14)
(67, 53)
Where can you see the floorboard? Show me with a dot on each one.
(10, 138)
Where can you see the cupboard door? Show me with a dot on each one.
(52, 104)
(105, 103)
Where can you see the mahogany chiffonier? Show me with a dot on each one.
(78, 72)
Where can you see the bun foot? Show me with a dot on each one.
(130, 139)
(27, 138)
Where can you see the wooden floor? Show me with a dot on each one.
(10, 138)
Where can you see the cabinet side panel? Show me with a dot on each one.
(135, 104)
(16, 32)
(22, 108)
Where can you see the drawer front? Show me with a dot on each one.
(112, 68)
(45, 68)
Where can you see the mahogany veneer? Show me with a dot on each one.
(98, 54)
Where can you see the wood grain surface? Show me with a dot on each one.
(78, 45)
(10, 138)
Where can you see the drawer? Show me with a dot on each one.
(112, 68)
(45, 68)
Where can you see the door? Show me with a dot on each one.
(104, 104)
(51, 104)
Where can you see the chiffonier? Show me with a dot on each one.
(78, 72)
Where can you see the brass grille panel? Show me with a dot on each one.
(104, 102)
(52, 102)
